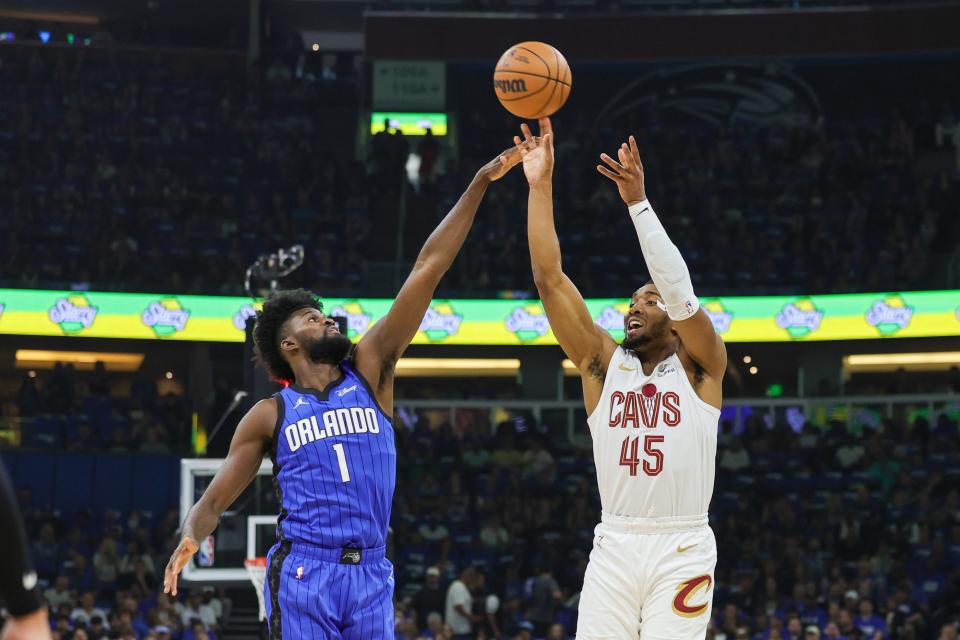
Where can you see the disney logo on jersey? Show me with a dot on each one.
(358, 320)
(73, 313)
(799, 318)
(440, 322)
(610, 320)
(343, 392)
(889, 315)
(240, 318)
(647, 408)
(527, 323)
(166, 317)
(718, 314)
(336, 422)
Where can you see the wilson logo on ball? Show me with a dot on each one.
(510, 86)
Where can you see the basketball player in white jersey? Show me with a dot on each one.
(653, 403)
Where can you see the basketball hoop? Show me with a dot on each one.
(257, 568)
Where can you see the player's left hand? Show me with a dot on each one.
(627, 173)
(181, 556)
(501, 165)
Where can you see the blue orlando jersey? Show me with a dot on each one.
(335, 464)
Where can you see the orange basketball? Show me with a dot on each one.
(532, 80)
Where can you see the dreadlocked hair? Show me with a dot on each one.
(277, 308)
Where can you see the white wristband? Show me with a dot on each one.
(666, 265)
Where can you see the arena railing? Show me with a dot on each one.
(569, 417)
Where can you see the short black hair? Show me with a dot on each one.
(277, 309)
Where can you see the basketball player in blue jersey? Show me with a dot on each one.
(331, 438)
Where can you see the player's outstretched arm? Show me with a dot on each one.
(380, 348)
(250, 442)
(18, 580)
(587, 345)
(667, 268)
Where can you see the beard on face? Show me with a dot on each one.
(633, 343)
(330, 348)
(656, 330)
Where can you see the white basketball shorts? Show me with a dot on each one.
(650, 578)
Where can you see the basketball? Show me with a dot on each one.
(532, 80)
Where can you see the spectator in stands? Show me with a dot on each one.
(735, 458)
(59, 593)
(545, 598)
(83, 614)
(106, 565)
(869, 623)
(459, 603)
(434, 532)
(195, 609)
(164, 613)
(494, 535)
(431, 598)
(98, 630)
(46, 552)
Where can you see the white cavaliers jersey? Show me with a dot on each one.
(654, 441)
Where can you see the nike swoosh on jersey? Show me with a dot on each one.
(682, 549)
(623, 368)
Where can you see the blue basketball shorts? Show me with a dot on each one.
(334, 594)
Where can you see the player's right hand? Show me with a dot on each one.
(181, 556)
(626, 171)
(536, 152)
(33, 626)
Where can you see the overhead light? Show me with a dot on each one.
(753, 371)
(316, 46)
(82, 360)
(45, 16)
(458, 367)
(168, 375)
(747, 359)
(929, 361)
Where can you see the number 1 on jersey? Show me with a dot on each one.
(342, 459)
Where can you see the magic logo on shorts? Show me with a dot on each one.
(683, 602)
(166, 317)
(72, 314)
(799, 318)
(441, 322)
(889, 315)
(527, 323)
(611, 320)
(358, 320)
(718, 314)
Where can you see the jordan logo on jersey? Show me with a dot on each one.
(647, 408)
(336, 422)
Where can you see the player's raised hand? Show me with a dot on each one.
(626, 172)
(181, 556)
(501, 165)
(536, 152)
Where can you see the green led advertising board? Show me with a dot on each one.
(479, 322)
